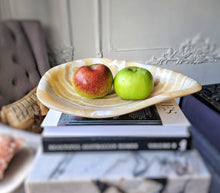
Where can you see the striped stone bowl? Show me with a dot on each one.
(56, 92)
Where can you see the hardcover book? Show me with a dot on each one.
(159, 127)
(147, 116)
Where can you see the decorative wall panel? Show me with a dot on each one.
(180, 35)
(164, 33)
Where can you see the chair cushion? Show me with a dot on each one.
(23, 58)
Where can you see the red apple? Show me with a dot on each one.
(93, 81)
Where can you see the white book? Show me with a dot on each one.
(171, 123)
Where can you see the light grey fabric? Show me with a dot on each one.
(23, 58)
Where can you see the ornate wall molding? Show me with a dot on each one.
(195, 51)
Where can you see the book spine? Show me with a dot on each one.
(71, 144)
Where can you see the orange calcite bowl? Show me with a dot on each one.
(56, 92)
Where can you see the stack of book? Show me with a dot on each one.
(159, 127)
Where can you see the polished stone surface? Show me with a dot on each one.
(119, 172)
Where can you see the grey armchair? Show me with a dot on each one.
(23, 60)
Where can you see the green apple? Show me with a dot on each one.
(93, 81)
(133, 83)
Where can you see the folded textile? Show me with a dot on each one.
(26, 113)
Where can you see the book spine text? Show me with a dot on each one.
(114, 144)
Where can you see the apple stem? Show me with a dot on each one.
(133, 70)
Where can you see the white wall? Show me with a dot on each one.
(54, 16)
(180, 35)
